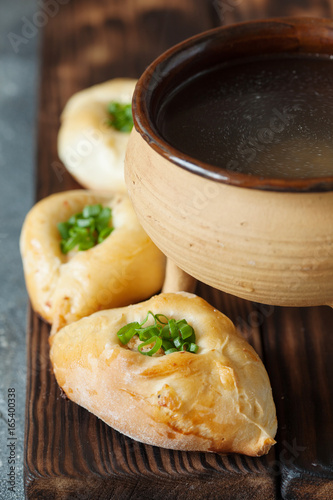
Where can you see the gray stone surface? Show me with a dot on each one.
(18, 92)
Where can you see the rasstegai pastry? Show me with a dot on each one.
(216, 398)
(125, 267)
(91, 148)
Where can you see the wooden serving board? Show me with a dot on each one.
(69, 453)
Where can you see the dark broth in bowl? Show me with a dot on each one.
(267, 117)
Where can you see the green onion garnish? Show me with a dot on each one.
(120, 116)
(127, 332)
(85, 229)
(170, 351)
(169, 334)
(154, 349)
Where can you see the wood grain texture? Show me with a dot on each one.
(69, 453)
(234, 11)
(295, 346)
(299, 354)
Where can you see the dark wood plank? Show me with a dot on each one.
(88, 43)
(234, 11)
(299, 352)
(69, 453)
(72, 454)
(297, 349)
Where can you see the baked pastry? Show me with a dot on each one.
(125, 268)
(91, 149)
(218, 399)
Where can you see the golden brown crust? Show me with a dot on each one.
(217, 400)
(127, 267)
(91, 150)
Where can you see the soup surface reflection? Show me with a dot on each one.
(266, 117)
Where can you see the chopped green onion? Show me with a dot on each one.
(120, 116)
(170, 351)
(173, 328)
(194, 348)
(91, 211)
(72, 220)
(104, 234)
(186, 331)
(81, 231)
(85, 229)
(103, 219)
(85, 245)
(158, 316)
(191, 339)
(71, 243)
(146, 318)
(165, 333)
(153, 350)
(166, 344)
(127, 332)
(150, 331)
(63, 228)
(181, 322)
(178, 343)
(85, 222)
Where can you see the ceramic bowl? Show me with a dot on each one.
(263, 239)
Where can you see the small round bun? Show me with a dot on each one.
(127, 267)
(91, 150)
(217, 400)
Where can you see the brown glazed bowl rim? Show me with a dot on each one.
(294, 35)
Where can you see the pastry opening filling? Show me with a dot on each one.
(120, 116)
(85, 229)
(164, 336)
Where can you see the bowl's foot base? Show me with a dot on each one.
(176, 280)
